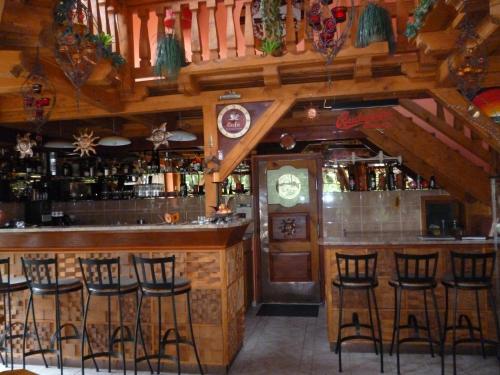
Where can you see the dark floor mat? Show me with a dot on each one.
(285, 309)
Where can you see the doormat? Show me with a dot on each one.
(286, 309)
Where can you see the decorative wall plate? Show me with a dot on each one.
(234, 121)
(85, 142)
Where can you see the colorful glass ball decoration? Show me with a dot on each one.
(325, 18)
(39, 97)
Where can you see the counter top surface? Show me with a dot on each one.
(128, 228)
(398, 238)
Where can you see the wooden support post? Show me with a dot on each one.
(115, 45)
(363, 69)
(213, 40)
(230, 33)
(144, 47)
(195, 33)
(160, 27)
(401, 22)
(211, 145)
(257, 131)
(96, 15)
(291, 44)
(249, 39)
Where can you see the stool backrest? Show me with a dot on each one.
(155, 273)
(356, 267)
(41, 273)
(5, 272)
(101, 274)
(472, 267)
(416, 268)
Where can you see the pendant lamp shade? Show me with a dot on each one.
(58, 144)
(181, 136)
(114, 141)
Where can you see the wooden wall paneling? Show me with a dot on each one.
(290, 267)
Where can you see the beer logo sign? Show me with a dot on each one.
(233, 121)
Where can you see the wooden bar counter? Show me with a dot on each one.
(385, 246)
(211, 256)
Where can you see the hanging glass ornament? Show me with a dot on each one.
(85, 143)
(468, 67)
(330, 23)
(39, 95)
(75, 52)
(159, 136)
(25, 145)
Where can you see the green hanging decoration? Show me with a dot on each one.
(170, 57)
(419, 15)
(375, 25)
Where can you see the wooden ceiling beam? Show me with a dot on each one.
(440, 125)
(437, 42)
(416, 164)
(258, 131)
(442, 158)
(452, 100)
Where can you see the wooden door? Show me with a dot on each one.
(289, 192)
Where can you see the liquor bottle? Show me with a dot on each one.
(372, 180)
(352, 180)
(419, 182)
(391, 182)
(432, 183)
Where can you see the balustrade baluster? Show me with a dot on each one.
(401, 22)
(230, 33)
(308, 41)
(124, 40)
(104, 19)
(213, 41)
(176, 9)
(144, 47)
(90, 19)
(291, 45)
(249, 38)
(96, 15)
(195, 33)
(112, 28)
(160, 28)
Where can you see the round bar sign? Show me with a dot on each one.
(233, 121)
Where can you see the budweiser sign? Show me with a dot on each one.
(373, 120)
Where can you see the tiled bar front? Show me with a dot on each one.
(412, 302)
(217, 297)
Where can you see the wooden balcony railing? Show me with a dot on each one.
(214, 29)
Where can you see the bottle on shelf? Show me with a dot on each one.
(352, 179)
(391, 181)
(372, 180)
(432, 183)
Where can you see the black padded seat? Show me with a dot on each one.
(17, 284)
(165, 289)
(449, 282)
(354, 283)
(417, 285)
(65, 286)
(127, 285)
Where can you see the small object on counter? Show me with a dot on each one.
(171, 218)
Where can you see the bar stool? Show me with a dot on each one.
(102, 278)
(473, 272)
(358, 272)
(157, 279)
(42, 276)
(415, 273)
(9, 285)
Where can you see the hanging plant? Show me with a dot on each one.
(375, 25)
(273, 27)
(419, 15)
(170, 57)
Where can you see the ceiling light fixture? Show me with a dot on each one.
(58, 143)
(114, 140)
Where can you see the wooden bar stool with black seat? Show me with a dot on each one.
(156, 277)
(470, 272)
(43, 279)
(102, 278)
(415, 273)
(358, 272)
(9, 285)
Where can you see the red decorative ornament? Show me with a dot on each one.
(339, 13)
(169, 23)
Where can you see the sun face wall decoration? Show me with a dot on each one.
(159, 136)
(85, 143)
(25, 145)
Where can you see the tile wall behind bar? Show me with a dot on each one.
(373, 211)
(119, 212)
